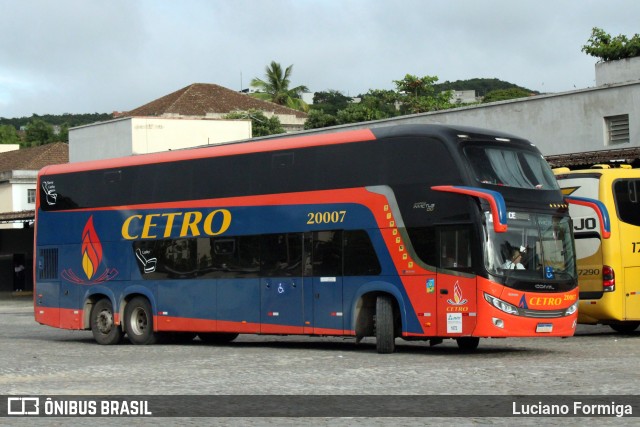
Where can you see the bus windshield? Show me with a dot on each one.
(535, 247)
(510, 167)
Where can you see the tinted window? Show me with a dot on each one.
(360, 258)
(511, 167)
(395, 162)
(229, 256)
(626, 195)
(327, 253)
(281, 255)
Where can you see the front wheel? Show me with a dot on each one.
(138, 319)
(625, 327)
(468, 343)
(103, 327)
(385, 328)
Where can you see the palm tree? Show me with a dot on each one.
(275, 87)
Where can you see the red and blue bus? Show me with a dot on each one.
(402, 231)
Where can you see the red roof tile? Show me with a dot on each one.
(35, 158)
(199, 99)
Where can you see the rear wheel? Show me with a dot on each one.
(625, 327)
(385, 328)
(217, 337)
(103, 327)
(138, 319)
(468, 343)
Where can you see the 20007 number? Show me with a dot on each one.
(326, 217)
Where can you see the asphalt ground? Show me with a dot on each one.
(44, 361)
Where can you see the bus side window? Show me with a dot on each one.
(281, 255)
(455, 248)
(626, 196)
(360, 257)
(326, 257)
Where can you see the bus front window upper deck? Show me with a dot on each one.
(510, 167)
(543, 243)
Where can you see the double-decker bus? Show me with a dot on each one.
(389, 232)
(608, 266)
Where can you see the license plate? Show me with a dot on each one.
(544, 327)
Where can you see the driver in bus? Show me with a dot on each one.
(515, 262)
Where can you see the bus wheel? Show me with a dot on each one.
(217, 337)
(138, 319)
(625, 327)
(104, 329)
(468, 343)
(385, 328)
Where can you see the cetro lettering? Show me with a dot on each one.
(186, 224)
(545, 301)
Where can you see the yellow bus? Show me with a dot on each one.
(608, 268)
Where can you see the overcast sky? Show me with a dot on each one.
(86, 56)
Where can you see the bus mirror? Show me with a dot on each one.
(495, 199)
(599, 207)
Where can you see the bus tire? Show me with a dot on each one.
(385, 328)
(217, 337)
(625, 327)
(468, 343)
(103, 326)
(138, 319)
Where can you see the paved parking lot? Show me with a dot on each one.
(40, 360)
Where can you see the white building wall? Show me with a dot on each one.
(6, 197)
(14, 191)
(158, 134)
(100, 140)
(623, 70)
(140, 135)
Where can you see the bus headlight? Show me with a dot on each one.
(501, 305)
(572, 309)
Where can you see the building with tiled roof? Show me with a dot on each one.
(205, 100)
(18, 175)
(190, 117)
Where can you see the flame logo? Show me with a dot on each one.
(458, 299)
(91, 249)
(91, 258)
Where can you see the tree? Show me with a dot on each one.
(607, 48)
(63, 135)
(319, 119)
(38, 132)
(418, 95)
(9, 135)
(275, 87)
(260, 124)
(330, 101)
(504, 94)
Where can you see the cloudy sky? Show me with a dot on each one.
(86, 56)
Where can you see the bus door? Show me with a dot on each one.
(456, 307)
(326, 262)
(281, 283)
(627, 199)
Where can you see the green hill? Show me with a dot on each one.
(481, 86)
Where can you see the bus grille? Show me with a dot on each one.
(48, 265)
(543, 313)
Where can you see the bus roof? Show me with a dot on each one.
(280, 142)
(613, 173)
